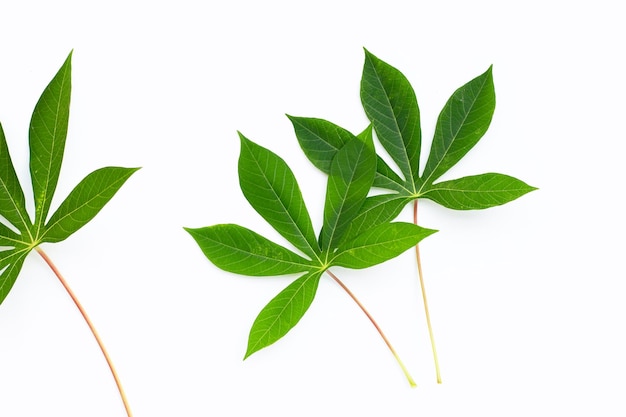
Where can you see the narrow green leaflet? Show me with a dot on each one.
(236, 249)
(463, 121)
(283, 312)
(47, 134)
(19, 234)
(378, 244)
(477, 191)
(270, 187)
(389, 102)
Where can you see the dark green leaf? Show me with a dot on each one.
(283, 312)
(389, 102)
(85, 201)
(477, 192)
(462, 122)
(236, 249)
(379, 244)
(48, 131)
(272, 190)
(351, 176)
(12, 203)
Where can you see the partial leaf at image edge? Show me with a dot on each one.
(477, 192)
(47, 135)
(276, 197)
(9, 275)
(12, 201)
(283, 312)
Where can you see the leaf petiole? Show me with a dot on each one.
(393, 351)
(91, 327)
(424, 298)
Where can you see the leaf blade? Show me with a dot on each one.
(379, 244)
(390, 104)
(477, 192)
(464, 119)
(47, 134)
(85, 201)
(283, 312)
(235, 249)
(270, 187)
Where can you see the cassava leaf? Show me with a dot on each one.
(239, 250)
(283, 312)
(477, 192)
(462, 122)
(85, 201)
(48, 131)
(350, 179)
(389, 102)
(269, 186)
(379, 244)
(272, 190)
(47, 136)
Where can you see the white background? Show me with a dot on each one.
(527, 299)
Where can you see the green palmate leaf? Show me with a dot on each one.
(85, 201)
(47, 136)
(272, 190)
(48, 131)
(236, 249)
(389, 102)
(462, 122)
(350, 179)
(12, 203)
(379, 244)
(283, 312)
(477, 192)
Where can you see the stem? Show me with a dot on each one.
(91, 327)
(423, 287)
(393, 351)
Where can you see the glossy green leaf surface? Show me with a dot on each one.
(379, 244)
(283, 312)
(270, 187)
(477, 192)
(237, 249)
(272, 190)
(390, 103)
(47, 137)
